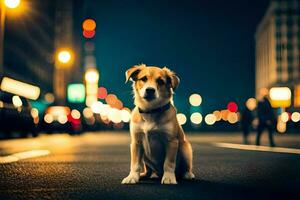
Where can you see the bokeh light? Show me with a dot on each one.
(12, 3)
(232, 118)
(34, 113)
(232, 106)
(281, 126)
(87, 112)
(62, 119)
(224, 114)
(181, 118)
(210, 119)
(196, 118)
(89, 25)
(218, 115)
(114, 115)
(48, 118)
(251, 103)
(17, 101)
(195, 100)
(96, 107)
(49, 98)
(284, 117)
(91, 75)
(75, 114)
(125, 115)
(102, 92)
(295, 116)
(64, 56)
(89, 34)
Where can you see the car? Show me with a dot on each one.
(17, 115)
(61, 119)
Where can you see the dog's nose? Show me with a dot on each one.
(150, 91)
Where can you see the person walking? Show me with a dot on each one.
(266, 120)
(246, 122)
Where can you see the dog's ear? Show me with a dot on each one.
(133, 72)
(172, 79)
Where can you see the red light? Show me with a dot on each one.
(102, 93)
(232, 106)
(89, 34)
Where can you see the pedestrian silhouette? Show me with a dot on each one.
(246, 121)
(266, 120)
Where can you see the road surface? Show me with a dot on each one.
(92, 165)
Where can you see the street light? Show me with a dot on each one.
(64, 56)
(12, 3)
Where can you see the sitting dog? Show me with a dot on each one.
(158, 143)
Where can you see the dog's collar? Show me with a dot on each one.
(156, 110)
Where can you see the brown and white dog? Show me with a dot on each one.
(158, 143)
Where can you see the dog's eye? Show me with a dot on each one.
(160, 81)
(144, 79)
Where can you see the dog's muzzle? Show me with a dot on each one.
(149, 94)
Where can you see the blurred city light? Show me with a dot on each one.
(232, 106)
(181, 118)
(218, 115)
(49, 98)
(76, 93)
(224, 114)
(91, 75)
(114, 115)
(251, 103)
(280, 96)
(196, 118)
(62, 119)
(75, 114)
(19, 88)
(281, 126)
(125, 115)
(97, 107)
(87, 113)
(232, 118)
(17, 101)
(295, 116)
(12, 3)
(195, 100)
(48, 118)
(89, 25)
(284, 117)
(34, 113)
(102, 92)
(210, 119)
(89, 34)
(64, 56)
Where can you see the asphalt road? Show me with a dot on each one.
(91, 166)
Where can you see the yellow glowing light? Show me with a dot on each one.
(62, 119)
(295, 117)
(88, 113)
(90, 99)
(17, 101)
(218, 115)
(125, 116)
(75, 114)
(232, 118)
(114, 115)
(251, 103)
(34, 113)
(195, 100)
(224, 114)
(281, 126)
(284, 117)
(105, 110)
(91, 75)
(196, 118)
(20, 88)
(49, 97)
(1, 104)
(12, 3)
(48, 118)
(181, 118)
(64, 56)
(280, 96)
(210, 119)
(97, 107)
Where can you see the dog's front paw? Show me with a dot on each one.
(132, 178)
(168, 178)
(188, 176)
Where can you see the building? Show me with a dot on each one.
(277, 48)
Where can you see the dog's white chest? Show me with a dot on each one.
(152, 126)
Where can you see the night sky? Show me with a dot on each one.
(209, 44)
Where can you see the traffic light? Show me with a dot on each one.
(89, 28)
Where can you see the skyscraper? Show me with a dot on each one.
(277, 47)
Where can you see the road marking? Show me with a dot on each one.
(23, 155)
(257, 148)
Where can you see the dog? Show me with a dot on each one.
(158, 143)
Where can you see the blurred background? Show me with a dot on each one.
(63, 63)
